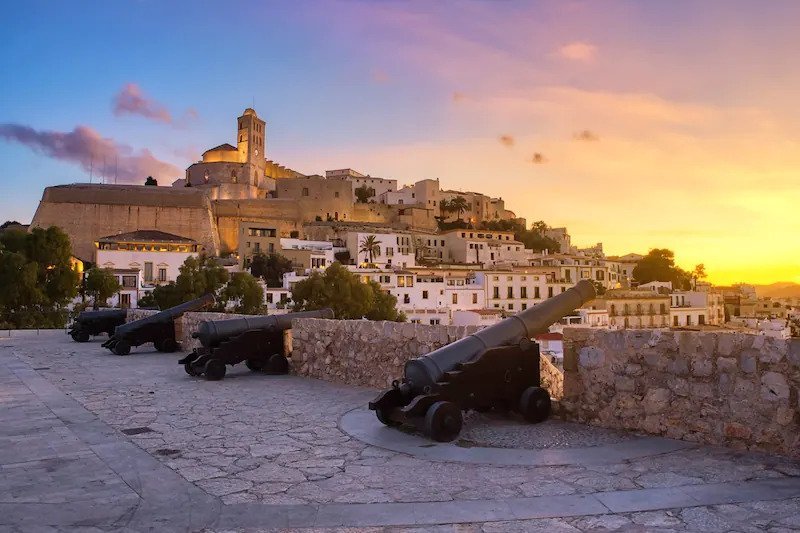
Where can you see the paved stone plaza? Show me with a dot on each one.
(92, 441)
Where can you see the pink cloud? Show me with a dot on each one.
(132, 101)
(89, 149)
(578, 51)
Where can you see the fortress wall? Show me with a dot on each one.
(88, 212)
(372, 213)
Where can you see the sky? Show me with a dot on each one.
(636, 124)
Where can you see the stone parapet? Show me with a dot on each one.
(363, 352)
(730, 389)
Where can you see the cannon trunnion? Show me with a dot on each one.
(495, 368)
(257, 341)
(90, 323)
(158, 328)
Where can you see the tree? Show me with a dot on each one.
(363, 194)
(343, 291)
(38, 280)
(271, 268)
(697, 274)
(599, 288)
(101, 284)
(536, 238)
(151, 181)
(458, 205)
(370, 245)
(659, 265)
(243, 290)
(164, 297)
(200, 275)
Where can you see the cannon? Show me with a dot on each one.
(494, 368)
(158, 328)
(256, 340)
(91, 323)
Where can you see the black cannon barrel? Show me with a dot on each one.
(212, 332)
(88, 316)
(166, 315)
(426, 370)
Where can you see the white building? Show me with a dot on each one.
(130, 282)
(314, 255)
(393, 249)
(693, 308)
(157, 254)
(484, 247)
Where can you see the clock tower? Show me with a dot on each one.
(251, 137)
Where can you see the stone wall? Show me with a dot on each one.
(185, 325)
(87, 212)
(729, 389)
(372, 354)
(363, 352)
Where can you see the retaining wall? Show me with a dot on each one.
(730, 389)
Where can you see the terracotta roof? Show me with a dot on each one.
(147, 235)
(223, 147)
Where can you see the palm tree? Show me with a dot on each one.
(458, 204)
(370, 245)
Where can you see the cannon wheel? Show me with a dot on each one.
(278, 364)
(385, 419)
(190, 370)
(215, 370)
(122, 348)
(81, 336)
(167, 345)
(255, 365)
(443, 421)
(534, 404)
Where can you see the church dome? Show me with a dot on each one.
(250, 111)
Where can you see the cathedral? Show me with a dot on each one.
(239, 172)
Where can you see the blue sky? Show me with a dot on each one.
(691, 106)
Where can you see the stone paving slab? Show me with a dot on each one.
(254, 452)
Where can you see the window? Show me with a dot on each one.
(257, 247)
(305, 191)
(406, 299)
(409, 281)
(129, 282)
(148, 271)
(401, 281)
(474, 297)
(269, 297)
(496, 293)
(524, 306)
(536, 292)
(162, 274)
(435, 321)
(701, 320)
(510, 292)
(663, 309)
(523, 292)
(125, 301)
(510, 307)
(424, 295)
(688, 320)
(389, 251)
(675, 320)
(336, 194)
(549, 292)
(455, 298)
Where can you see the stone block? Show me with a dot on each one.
(702, 367)
(785, 415)
(678, 367)
(794, 352)
(656, 400)
(726, 364)
(591, 357)
(726, 344)
(701, 391)
(633, 370)
(774, 387)
(623, 384)
(679, 386)
(734, 430)
(747, 361)
(744, 388)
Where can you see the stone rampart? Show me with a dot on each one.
(730, 389)
(185, 325)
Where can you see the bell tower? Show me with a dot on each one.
(251, 137)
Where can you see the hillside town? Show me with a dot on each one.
(448, 257)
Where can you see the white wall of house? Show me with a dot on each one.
(163, 266)
(396, 249)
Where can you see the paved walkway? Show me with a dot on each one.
(92, 440)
